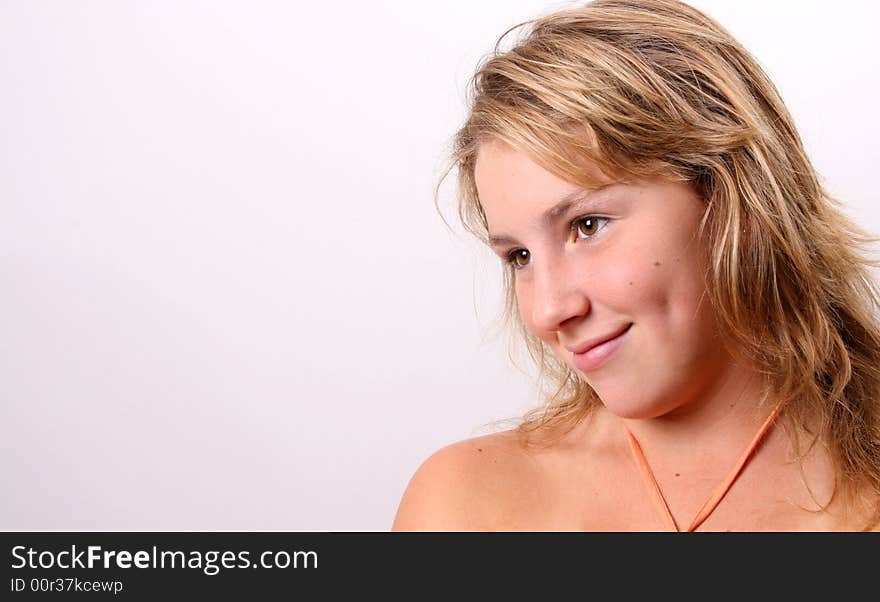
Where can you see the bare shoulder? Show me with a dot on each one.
(464, 486)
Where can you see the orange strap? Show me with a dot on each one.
(720, 491)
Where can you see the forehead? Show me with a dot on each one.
(520, 198)
(504, 175)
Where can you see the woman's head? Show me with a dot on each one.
(621, 259)
(634, 91)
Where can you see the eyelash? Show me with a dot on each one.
(510, 257)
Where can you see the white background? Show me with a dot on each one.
(226, 299)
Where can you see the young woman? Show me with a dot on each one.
(700, 303)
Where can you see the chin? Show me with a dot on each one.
(637, 408)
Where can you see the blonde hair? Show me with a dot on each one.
(646, 88)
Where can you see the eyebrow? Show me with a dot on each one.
(552, 214)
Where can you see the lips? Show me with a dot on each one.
(595, 342)
(595, 353)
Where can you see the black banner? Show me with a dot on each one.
(193, 565)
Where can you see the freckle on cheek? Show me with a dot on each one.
(656, 263)
(630, 283)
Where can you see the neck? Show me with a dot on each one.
(712, 427)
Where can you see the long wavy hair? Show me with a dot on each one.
(647, 88)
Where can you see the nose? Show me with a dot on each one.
(558, 294)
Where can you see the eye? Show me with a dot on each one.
(518, 258)
(584, 228)
(588, 226)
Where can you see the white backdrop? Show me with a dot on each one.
(226, 299)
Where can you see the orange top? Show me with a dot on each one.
(720, 491)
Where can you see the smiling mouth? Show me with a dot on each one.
(581, 349)
(596, 356)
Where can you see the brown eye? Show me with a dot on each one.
(518, 258)
(588, 226)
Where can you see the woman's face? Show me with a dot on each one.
(590, 265)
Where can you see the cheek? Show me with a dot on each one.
(629, 285)
(663, 291)
(674, 304)
(523, 297)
